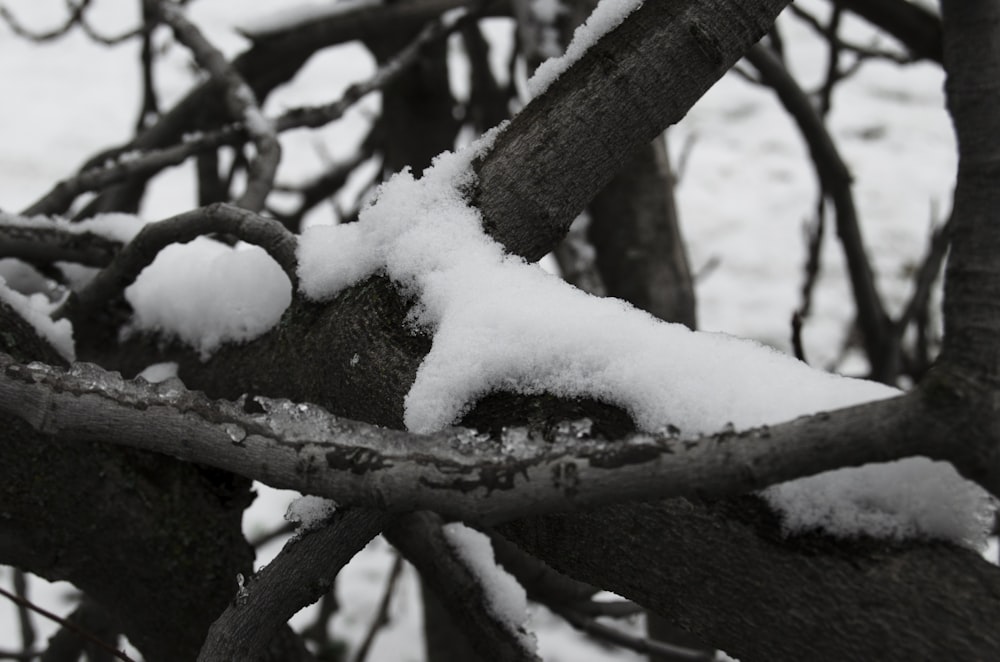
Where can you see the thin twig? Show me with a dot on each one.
(286, 529)
(76, 12)
(609, 608)
(240, 102)
(835, 178)
(925, 277)
(124, 164)
(381, 617)
(862, 52)
(661, 649)
(28, 635)
(65, 624)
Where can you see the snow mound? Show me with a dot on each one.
(206, 293)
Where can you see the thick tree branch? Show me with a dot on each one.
(302, 572)
(581, 131)
(455, 472)
(972, 279)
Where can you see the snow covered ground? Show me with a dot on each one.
(747, 188)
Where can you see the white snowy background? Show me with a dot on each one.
(746, 190)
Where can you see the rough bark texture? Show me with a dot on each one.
(613, 102)
(80, 512)
(972, 279)
(724, 573)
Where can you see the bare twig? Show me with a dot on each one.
(240, 102)
(837, 43)
(286, 529)
(662, 650)
(220, 218)
(928, 272)
(65, 624)
(66, 645)
(74, 18)
(319, 632)
(381, 617)
(880, 347)
(28, 635)
(126, 164)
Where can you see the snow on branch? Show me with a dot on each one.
(457, 564)
(240, 102)
(459, 473)
(269, 234)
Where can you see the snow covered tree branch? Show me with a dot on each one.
(420, 316)
(458, 472)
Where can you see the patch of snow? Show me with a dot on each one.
(505, 597)
(500, 324)
(36, 309)
(159, 372)
(607, 16)
(206, 293)
(910, 498)
(309, 512)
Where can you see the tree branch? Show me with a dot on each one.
(68, 625)
(914, 26)
(301, 573)
(130, 165)
(876, 329)
(418, 536)
(44, 244)
(454, 472)
(529, 210)
(240, 102)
